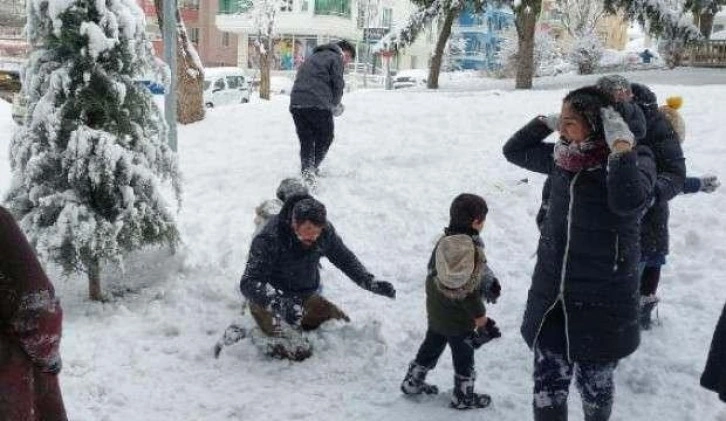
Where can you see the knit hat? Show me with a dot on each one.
(670, 110)
(457, 266)
(289, 187)
(611, 84)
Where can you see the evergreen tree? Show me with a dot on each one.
(91, 160)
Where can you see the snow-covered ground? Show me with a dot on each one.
(398, 160)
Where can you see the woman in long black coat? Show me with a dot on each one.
(582, 307)
(714, 375)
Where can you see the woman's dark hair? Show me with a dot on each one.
(587, 102)
(309, 209)
(465, 209)
(345, 45)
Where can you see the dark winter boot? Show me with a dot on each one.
(414, 384)
(464, 396)
(597, 412)
(551, 413)
(647, 305)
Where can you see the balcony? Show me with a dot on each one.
(333, 8)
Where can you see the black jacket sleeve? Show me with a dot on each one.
(669, 159)
(337, 81)
(527, 149)
(630, 180)
(255, 284)
(344, 259)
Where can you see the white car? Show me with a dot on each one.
(225, 85)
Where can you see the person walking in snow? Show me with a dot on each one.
(458, 278)
(315, 98)
(282, 275)
(714, 374)
(30, 332)
(581, 313)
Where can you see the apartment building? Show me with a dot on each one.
(304, 24)
(215, 47)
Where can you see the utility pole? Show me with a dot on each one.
(366, 35)
(170, 39)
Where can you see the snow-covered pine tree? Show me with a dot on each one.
(91, 161)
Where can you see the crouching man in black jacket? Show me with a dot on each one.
(282, 276)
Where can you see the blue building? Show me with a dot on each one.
(480, 33)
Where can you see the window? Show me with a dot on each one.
(232, 82)
(387, 18)
(194, 35)
(333, 7)
(286, 6)
(219, 84)
(225, 39)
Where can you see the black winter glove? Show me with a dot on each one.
(289, 309)
(492, 290)
(382, 288)
(483, 334)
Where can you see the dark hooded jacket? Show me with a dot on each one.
(589, 247)
(714, 375)
(319, 81)
(30, 332)
(671, 167)
(278, 264)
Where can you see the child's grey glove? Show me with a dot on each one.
(709, 183)
(552, 121)
(338, 110)
(615, 128)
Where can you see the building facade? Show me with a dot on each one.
(301, 25)
(478, 35)
(215, 47)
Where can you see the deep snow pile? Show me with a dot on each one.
(398, 159)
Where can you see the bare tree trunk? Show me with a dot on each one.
(525, 20)
(94, 281)
(264, 50)
(705, 24)
(189, 74)
(436, 60)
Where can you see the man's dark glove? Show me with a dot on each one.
(709, 183)
(382, 288)
(492, 290)
(288, 308)
(483, 334)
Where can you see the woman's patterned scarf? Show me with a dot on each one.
(575, 157)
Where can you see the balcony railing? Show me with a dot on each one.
(231, 7)
(333, 7)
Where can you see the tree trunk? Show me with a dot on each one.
(436, 60)
(189, 74)
(94, 281)
(525, 21)
(705, 24)
(265, 69)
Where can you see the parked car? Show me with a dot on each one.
(225, 85)
(19, 108)
(408, 79)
